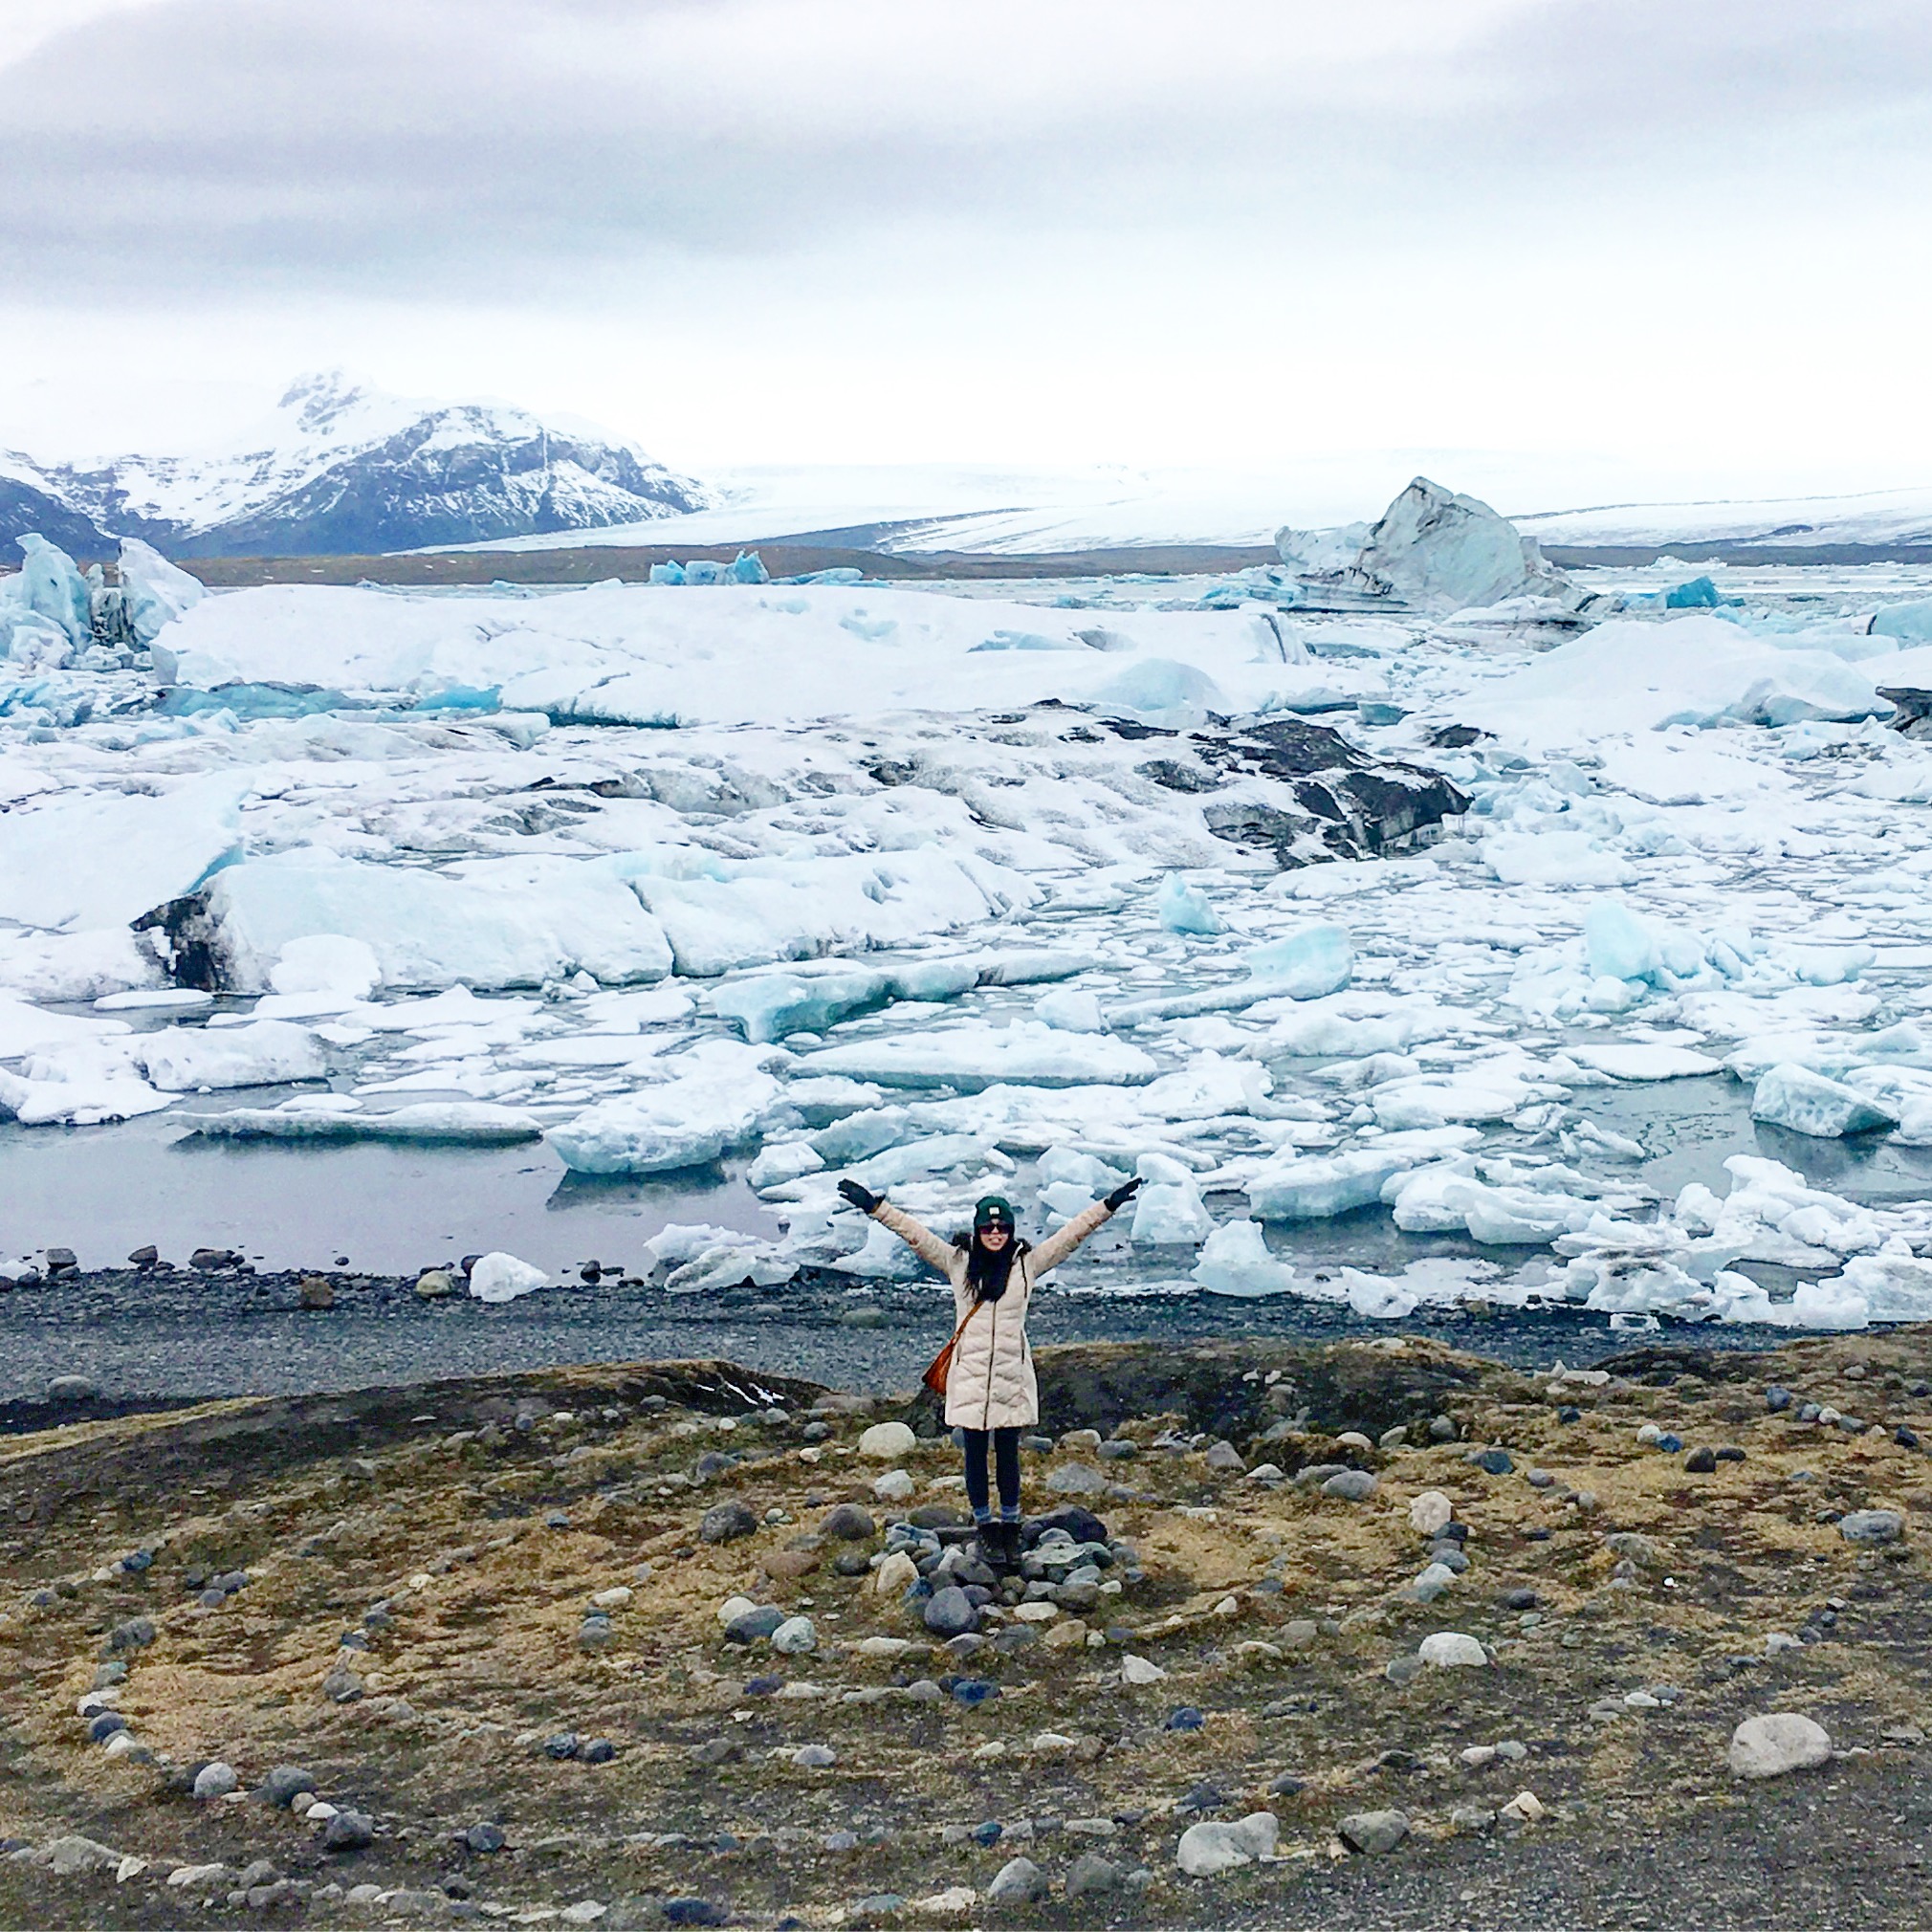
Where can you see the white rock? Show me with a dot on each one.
(891, 1648)
(946, 1904)
(1210, 1847)
(888, 1442)
(1430, 1511)
(733, 1608)
(1780, 1742)
(1446, 1648)
(795, 1637)
(895, 1573)
(215, 1781)
(1526, 1807)
(1141, 1670)
(614, 1598)
(894, 1486)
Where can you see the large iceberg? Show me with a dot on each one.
(153, 591)
(93, 859)
(483, 922)
(1436, 550)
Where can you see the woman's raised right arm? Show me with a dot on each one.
(936, 1253)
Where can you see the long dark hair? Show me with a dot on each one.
(986, 1273)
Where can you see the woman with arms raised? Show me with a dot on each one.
(991, 1393)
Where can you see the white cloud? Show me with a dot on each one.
(1051, 231)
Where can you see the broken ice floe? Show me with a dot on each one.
(359, 824)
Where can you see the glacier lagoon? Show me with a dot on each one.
(404, 902)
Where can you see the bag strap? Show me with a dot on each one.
(961, 1328)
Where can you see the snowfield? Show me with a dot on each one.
(1296, 912)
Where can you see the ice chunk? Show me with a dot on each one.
(453, 1123)
(769, 909)
(1631, 675)
(1321, 553)
(1210, 1087)
(962, 1155)
(1306, 964)
(79, 1087)
(860, 1135)
(1911, 623)
(767, 1007)
(486, 922)
(780, 1165)
(748, 567)
(53, 589)
(1645, 1062)
(264, 1053)
(1620, 945)
(327, 965)
(499, 1277)
(1827, 965)
(1795, 1097)
(1312, 1187)
(1167, 1212)
(972, 1057)
(1185, 908)
(710, 1102)
(1067, 1167)
(1162, 691)
(1440, 551)
(1331, 1029)
(157, 591)
(1554, 859)
(88, 859)
(1700, 593)
(1235, 1261)
(732, 1264)
(1070, 1009)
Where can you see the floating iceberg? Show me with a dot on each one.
(767, 1007)
(974, 1058)
(712, 1100)
(1237, 1261)
(1436, 550)
(451, 1123)
(156, 591)
(1306, 964)
(1185, 908)
(91, 859)
(1795, 1097)
(49, 597)
(263, 1053)
(483, 922)
(766, 910)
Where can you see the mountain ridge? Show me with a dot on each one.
(344, 468)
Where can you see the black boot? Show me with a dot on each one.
(991, 1546)
(1009, 1546)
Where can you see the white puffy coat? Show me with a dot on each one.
(992, 1384)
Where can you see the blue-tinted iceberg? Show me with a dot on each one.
(1185, 908)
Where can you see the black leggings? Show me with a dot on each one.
(1007, 1459)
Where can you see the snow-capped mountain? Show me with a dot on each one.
(342, 470)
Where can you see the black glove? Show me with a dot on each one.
(861, 1197)
(1123, 1194)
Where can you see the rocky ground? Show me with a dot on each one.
(1371, 1633)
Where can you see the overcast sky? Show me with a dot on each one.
(1596, 246)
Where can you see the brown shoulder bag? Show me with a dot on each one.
(941, 1366)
